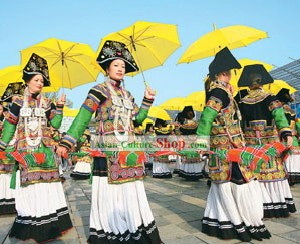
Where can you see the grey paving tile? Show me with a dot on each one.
(184, 240)
(292, 236)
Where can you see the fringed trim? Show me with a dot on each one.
(7, 206)
(226, 230)
(191, 176)
(279, 210)
(80, 176)
(144, 234)
(162, 175)
(42, 229)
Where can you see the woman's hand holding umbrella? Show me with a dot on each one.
(149, 92)
(62, 99)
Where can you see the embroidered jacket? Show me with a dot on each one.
(37, 164)
(220, 120)
(265, 124)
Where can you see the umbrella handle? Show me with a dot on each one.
(154, 91)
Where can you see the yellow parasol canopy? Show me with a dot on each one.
(208, 45)
(150, 43)
(157, 112)
(70, 64)
(178, 103)
(277, 85)
(68, 112)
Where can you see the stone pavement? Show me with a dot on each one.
(178, 207)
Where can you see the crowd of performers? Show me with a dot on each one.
(252, 161)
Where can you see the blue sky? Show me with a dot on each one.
(24, 23)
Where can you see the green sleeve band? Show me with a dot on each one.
(80, 123)
(280, 119)
(8, 132)
(56, 121)
(297, 127)
(206, 121)
(142, 115)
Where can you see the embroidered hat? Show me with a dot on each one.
(160, 122)
(284, 96)
(254, 74)
(223, 61)
(36, 66)
(148, 126)
(112, 50)
(186, 110)
(13, 89)
(179, 118)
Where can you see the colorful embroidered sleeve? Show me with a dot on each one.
(10, 123)
(217, 99)
(297, 126)
(206, 121)
(77, 128)
(94, 98)
(7, 135)
(281, 121)
(143, 111)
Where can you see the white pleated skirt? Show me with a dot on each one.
(178, 165)
(121, 212)
(192, 171)
(233, 213)
(161, 170)
(7, 195)
(277, 199)
(292, 165)
(82, 170)
(42, 212)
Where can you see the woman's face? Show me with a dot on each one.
(225, 76)
(36, 84)
(116, 69)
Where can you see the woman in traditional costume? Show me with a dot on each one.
(266, 124)
(292, 162)
(150, 137)
(120, 211)
(191, 161)
(7, 195)
(231, 211)
(42, 212)
(161, 163)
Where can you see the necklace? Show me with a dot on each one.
(33, 120)
(123, 108)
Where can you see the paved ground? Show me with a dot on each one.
(178, 207)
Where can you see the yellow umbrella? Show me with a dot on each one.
(150, 43)
(14, 74)
(178, 103)
(70, 64)
(208, 45)
(175, 103)
(198, 97)
(277, 85)
(236, 74)
(68, 112)
(157, 112)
